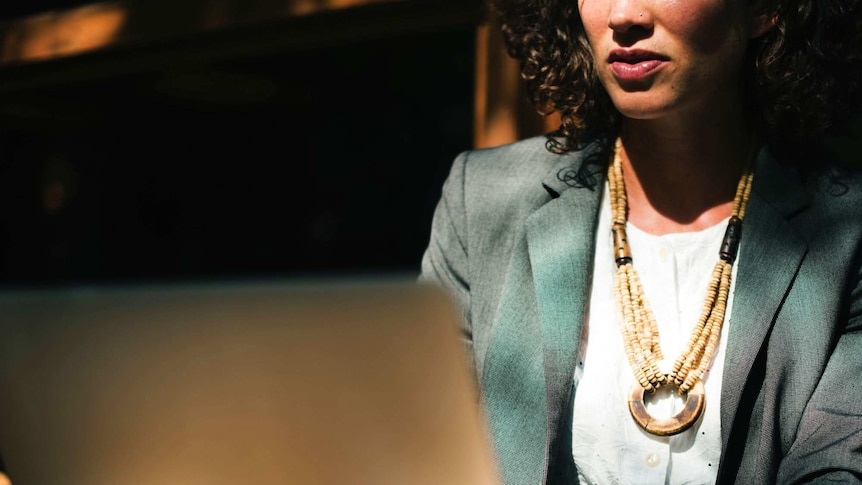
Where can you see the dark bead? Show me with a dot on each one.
(730, 243)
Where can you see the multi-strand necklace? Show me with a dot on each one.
(638, 323)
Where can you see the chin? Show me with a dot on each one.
(641, 112)
(643, 105)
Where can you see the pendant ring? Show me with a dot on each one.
(683, 420)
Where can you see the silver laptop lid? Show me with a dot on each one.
(254, 383)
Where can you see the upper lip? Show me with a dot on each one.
(634, 56)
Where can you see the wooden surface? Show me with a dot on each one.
(102, 25)
(502, 112)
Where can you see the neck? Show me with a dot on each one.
(681, 176)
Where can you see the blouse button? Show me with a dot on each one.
(663, 254)
(652, 460)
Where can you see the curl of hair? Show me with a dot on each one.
(806, 73)
(802, 78)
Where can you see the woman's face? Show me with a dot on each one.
(660, 57)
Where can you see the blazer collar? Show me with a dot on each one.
(770, 254)
(582, 169)
(561, 245)
(527, 377)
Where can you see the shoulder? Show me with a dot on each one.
(523, 161)
(835, 187)
(835, 192)
(497, 189)
(825, 188)
(834, 219)
(523, 167)
(823, 204)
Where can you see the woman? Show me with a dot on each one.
(624, 327)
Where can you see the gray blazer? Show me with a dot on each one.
(513, 238)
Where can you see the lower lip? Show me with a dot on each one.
(635, 72)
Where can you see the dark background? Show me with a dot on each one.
(23, 8)
(297, 157)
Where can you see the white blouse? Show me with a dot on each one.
(607, 445)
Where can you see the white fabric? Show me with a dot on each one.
(607, 446)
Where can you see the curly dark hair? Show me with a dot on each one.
(803, 77)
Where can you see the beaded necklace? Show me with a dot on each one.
(638, 324)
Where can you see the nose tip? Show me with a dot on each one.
(617, 20)
(625, 15)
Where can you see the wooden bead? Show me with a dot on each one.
(622, 252)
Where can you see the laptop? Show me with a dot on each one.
(279, 382)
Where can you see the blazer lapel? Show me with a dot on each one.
(770, 255)
(513, 384)
(527, 377)
(561, 239)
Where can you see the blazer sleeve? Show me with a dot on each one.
(445, 261)
(828, 444)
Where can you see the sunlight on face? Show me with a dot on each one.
(661, 57)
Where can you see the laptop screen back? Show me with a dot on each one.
(258, 383)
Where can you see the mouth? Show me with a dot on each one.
(635, 56)
(635, 64)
